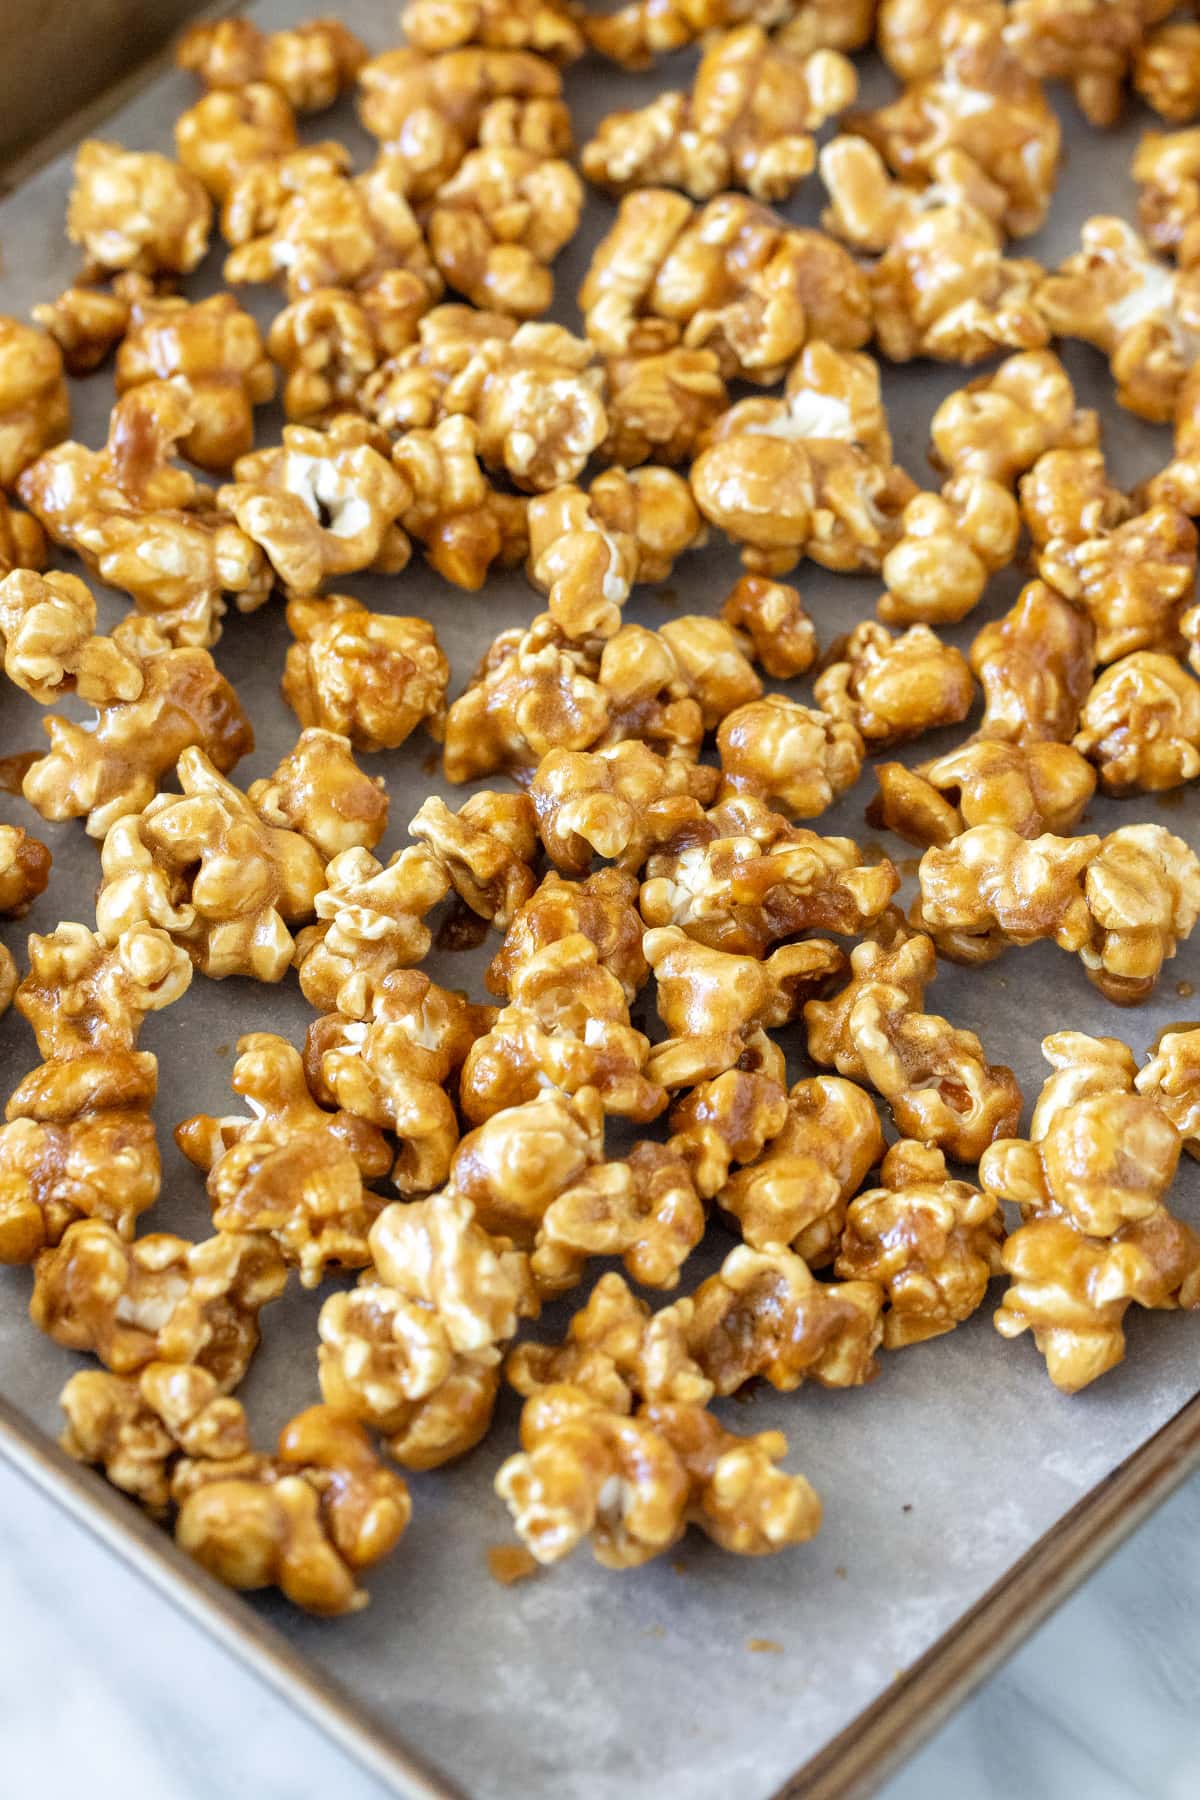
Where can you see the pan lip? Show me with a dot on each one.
(869, 1748)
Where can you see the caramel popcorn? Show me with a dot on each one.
(1166, 70)
(431, 108)
(756, 879)
(891, 689)
(1029, 788)
(1143, 893)
(1035, 668)
(935, 1077)
(331, 342)
(747, 122)
(310, 64)
(991, 887)
(79, 1143)
(943, 287)
(617, 1350)
(981, 103)
(229, 130)
(35, 410)
(730, 277)
(1140, 724)
(138, 1428)
(772, 616)
(1000, 424)
(620, 803)
(259, 192)
(1166, 167)
(521, 1158)
(463, 523)
(112, 767)
(603, 908)
(763, 1314)
(82, 994)
(634, 1483)
(585, 570)
(794, 758)
(906, 36)
(206, 867)
(728, 1120)
(332, 230)
(24, 870)
(291, 1171)
(1171, 1078)
(319, 790)
(499, 222)
(372, 676)
(550, 28)
(1132, 580)
(796, 1191)
(534, 691)
(642, 29)
(307, 1521)
(50, 643)
(215, 346)
(660, 406)
(1090, 45)
(86, 322)
(931, 1243)
(135, 209)
(485, 849)
(715, 1004)
(643, 1208)
(371, 922)
(323, 503)
(1144, 315)
(158, 1299)
(949, 545)
(566, 1027)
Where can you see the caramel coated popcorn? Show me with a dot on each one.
(1140, 724)
(1035, 668)
(795, 758)
(950, 544)
(1001, 423)
(486, 850)
(498, 223)
(35, 410)
(216, 347)
(730, 277)
(310, 64)
(1178, 485)
(50, 643)
(331, 342)
(660, 406)
(370, 923)
(603, 907)
(135, 209)
(319, 791)
(620, 803)
(1166, 167)
(641, 30)
(24, 870)
(1030, 788)
(772, 616)
(1089, 44)
(1166, 70)
(1171, 1078)
(747, 122)
(86, 322)
(764, 1314)
(550, 28)
(373, 676)
(464, 524)
(891, 689)
(934, 1076)
(229, 130)
(83, 993)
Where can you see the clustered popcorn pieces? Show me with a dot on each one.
(647, 851)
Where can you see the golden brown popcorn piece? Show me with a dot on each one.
(535, 396)
(790, 756)
(643, 1208)
(1143, 893)
(307, 1521)
(35, 410)
(112, 767)
(291, 1171)
(550, 28)
(85, 322)
(137, 1428)
(323, 503)
(79, 1143)
(216, 348)
(772, 616)
(331, 230)
(728, 1120)
(229, 130)
(980, 102)
(1166, 167)
(616, 1349)
(1178, 485)
(942, 287)
(586, 571)
(642, 30)
(1001, 423)
(135, 209)
(534, 691)
(990, 887)
(659, 406)
(513, 1165)
(409, 390)
(935, 1077)
(1140, 724)
(371, 922)
(906, 36)
(796, 1192)
(751, 878)
(330, 342)
(746, 122)
(669, 687)
(438, 1253)
(1035, 668)
(620, 803)
(82, 994)
(310, 64)
(949, 545)
(603, 908)
(22, 540)
(891, 689)
(372, 676)
(158, 1299)
(485, 849)
(462, 522)
(730, 276)
(24, 870)
(319, 790)
(1171, 1078)
(50, 644)
(931, 1243)
(499, 222)
(1030, 788)
(764, 1315)
(715, 1004)
(1166, 70)
(1088, 44)
(1132, 580)
(1143, 314)
(206, 867)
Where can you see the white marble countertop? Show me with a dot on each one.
(106, 1691)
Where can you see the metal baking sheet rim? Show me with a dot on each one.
(852, 1764)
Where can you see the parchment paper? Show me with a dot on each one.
(583, 1684)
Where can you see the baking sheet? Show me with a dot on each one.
(936, 1480)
